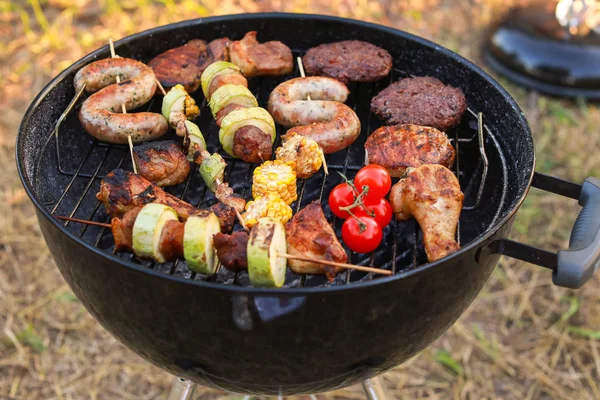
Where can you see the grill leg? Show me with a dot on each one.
(181, 389)
(374, 389)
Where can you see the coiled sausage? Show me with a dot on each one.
(101, 114)
(325, 118)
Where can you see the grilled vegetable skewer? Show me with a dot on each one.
(154, 232)
(247, 131)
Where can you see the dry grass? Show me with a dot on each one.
(522, 339)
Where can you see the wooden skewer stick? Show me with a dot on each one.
(302, 74)
(162, 89)
(237, 213)
(123, 109)
(84, 221)
(283, 255)
(336, 264)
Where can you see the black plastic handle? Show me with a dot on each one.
(576, 265)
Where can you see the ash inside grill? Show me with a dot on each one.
(71, 165)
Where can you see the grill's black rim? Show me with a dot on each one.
(273, 291)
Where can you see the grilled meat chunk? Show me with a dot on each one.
(219, 51)
(231, 250)
(252, 145)
(431, 194)
(121, 191)
(162, 163)
(185, 64)
(421, 101)
(226, 215)
(171, 240)
(261, 59)
(348, 60)
(122, 230)
(402, 146)
(309, 234)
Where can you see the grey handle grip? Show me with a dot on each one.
(577, 264)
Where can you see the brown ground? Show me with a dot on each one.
(522, 338)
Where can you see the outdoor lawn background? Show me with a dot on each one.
(522, 338)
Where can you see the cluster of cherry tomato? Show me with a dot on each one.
(365, 214)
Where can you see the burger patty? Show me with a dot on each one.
(349, 60)
(421, 101)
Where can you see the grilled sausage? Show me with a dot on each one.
(252, 145)
(100, 114)
(226, 79)
(325, 119)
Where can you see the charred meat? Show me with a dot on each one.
(184, 64)
(421, 101)
(121, 191)
(231, 250)
(261, 59)
(308, 234)
(399, 147)
(348, 60)
(162, 163)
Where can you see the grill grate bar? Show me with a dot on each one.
(70, 184)
(480, 129)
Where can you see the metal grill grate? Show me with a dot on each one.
(401, 248)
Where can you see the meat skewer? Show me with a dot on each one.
(121, 190)
(171, 244)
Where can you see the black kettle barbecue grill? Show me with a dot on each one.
(310, 336)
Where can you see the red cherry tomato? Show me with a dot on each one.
(365, 241)
(341, 196)
(380, 207)
(376, 178)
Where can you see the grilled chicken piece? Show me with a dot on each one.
(162, 163)
(231, 250)
(185, 64)
(122, 230)
(431, 194)
(401, 146)
(309, 234)
(261, 59)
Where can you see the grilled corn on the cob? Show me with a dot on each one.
(269, 205)
(304, 152)
(275, 177)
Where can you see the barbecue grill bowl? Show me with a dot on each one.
(296, 340)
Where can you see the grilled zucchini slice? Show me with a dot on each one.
(198, 249)
(147, 230)
(214, 69)
(266, 241)
(231, 94)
